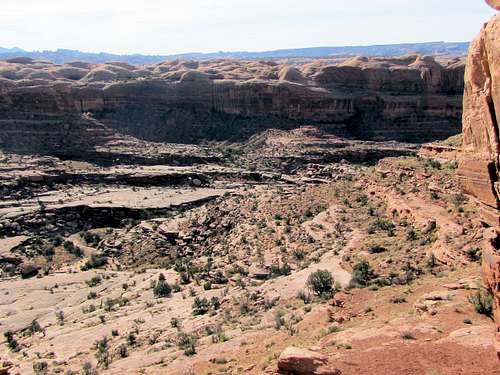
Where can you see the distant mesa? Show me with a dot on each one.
(62, 56)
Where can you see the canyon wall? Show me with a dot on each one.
(46, 106)
(479, 167)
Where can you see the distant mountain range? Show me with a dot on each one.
(65, 55)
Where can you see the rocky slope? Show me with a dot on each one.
(479, 164)
(73, 107)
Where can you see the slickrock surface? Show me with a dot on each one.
(480, 166)
(71, 108)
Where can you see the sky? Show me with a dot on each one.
(169, 27)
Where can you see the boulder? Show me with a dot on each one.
(299, 361)
(28, 270)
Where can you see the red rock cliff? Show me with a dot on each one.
(410, 98)
(479, 168)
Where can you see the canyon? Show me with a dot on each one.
(230, 216)
(74, 107)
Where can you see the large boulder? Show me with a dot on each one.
(299, 361)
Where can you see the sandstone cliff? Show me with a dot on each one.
(479, 168)
(412, 98)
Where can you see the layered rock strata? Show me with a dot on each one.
(69, 107)
(479, 167)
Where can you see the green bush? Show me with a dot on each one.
(102, 353)
(33, 328)
(162, 288)
(12, 343)
(187, 343)
(200, 306)
(473, 254)
(94, 281)
(483, 302)
(362, 273)
(321, 283)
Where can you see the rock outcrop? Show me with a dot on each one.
(299, 361)
(479, 167)
(42, 105)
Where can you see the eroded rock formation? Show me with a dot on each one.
(42, 105)
(479, 168)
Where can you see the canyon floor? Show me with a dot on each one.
(152, 258)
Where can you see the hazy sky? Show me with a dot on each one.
(164, 26)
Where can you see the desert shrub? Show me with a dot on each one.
(219, 278)
(473, 254)
(200, 306)
(94, 261)
(321, 283)
(431, 163)
(40, 368)
(187, 343)
(94, 281)
(33, 328)
(411, 234)
(174, 322)
(362, 200)
(215, 303)
(185, 278)
(131, 339)
(299, 254)
(381, 224)
(458, 200)
(280, 270)
(362, 273)
(376, 249)
(102, 353)
(305, 297)
(122, 351)
(279, 320)
(398, 299)
(92, 295)
(60, 317)
(109, 304)
(72, 249)
(12, 343)
(88, 369)
(432, 261)
(162, 288)
(90, 238)
(88, 309)
(57, 241)
(483, 302)
(176, 288)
